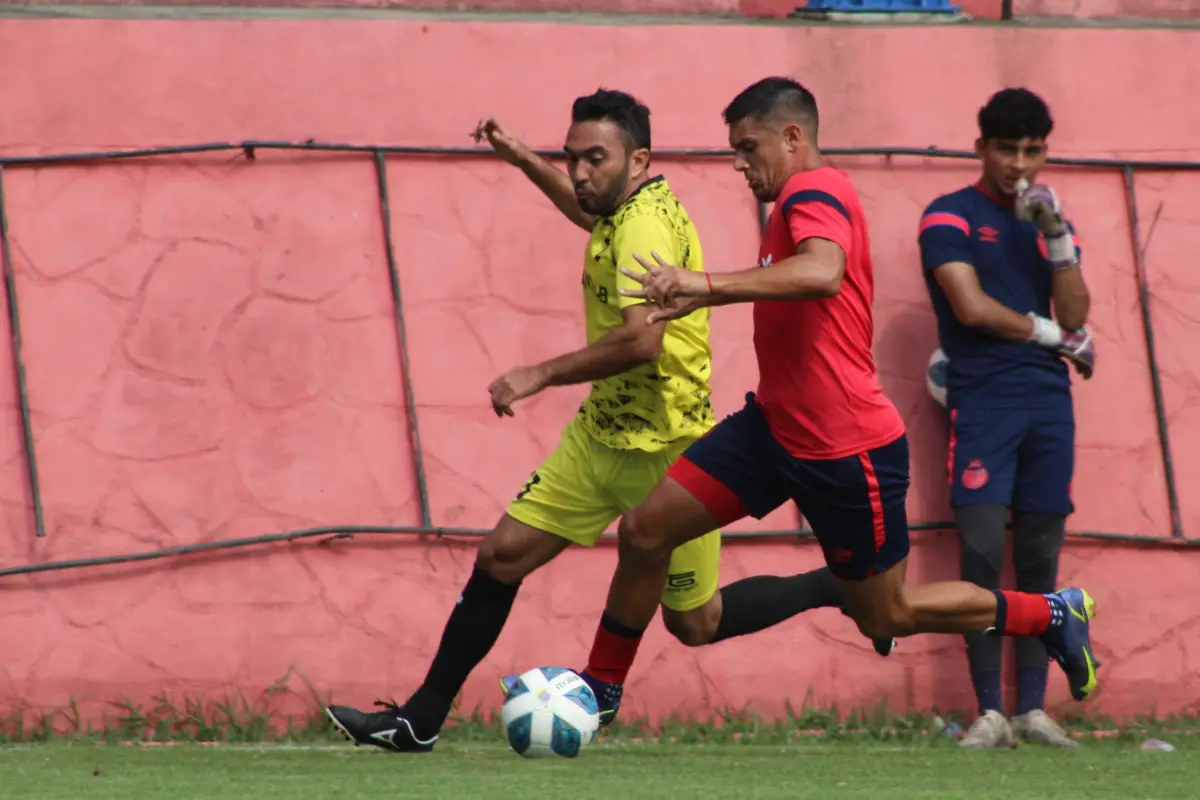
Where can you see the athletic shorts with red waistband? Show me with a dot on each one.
(820, 430)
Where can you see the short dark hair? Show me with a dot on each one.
(630, 115)
(1015, 114)
(774, 97)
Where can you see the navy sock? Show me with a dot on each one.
(1001, 613)
(1031, 689)
(987, 690)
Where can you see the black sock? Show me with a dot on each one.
(753, 604)
(470, 633)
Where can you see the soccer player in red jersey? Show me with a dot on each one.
(819, 431)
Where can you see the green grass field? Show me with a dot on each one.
(848, 769)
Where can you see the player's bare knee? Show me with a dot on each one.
(640, 541)
(694, 628)
(507, 557)
(490, 560)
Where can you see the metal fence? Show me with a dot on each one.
(379, 154)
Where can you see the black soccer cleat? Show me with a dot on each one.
(387, 729)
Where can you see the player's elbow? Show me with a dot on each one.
(819, 283)
(830, 283)
(646, 346)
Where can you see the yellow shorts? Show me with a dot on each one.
(584, 486)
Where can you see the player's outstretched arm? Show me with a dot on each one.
(813, 273)
(553, 182)
(635, 343)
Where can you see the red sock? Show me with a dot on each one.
(613, 651)
(1021, 614)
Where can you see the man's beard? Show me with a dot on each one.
(606, 205)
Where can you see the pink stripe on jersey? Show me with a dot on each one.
(944, 218)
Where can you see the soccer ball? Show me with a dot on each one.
(550, 711)
(935, 376)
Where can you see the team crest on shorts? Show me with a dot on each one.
(975, 476)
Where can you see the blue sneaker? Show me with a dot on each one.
(1068, 639)
(608, 697)
(508, 683)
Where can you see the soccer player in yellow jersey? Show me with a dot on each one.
(649, 401)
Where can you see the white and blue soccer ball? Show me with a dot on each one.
(936, 377)
(550, 711)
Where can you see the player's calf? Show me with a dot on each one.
(879, 609)
(883, 628)
(696, 627)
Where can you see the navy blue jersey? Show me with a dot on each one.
(1009, 256)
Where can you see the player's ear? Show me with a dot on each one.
(981, 147)
(640, 160)
(793, 136)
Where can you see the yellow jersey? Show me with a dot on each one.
(654, 405)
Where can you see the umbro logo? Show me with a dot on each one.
(987, 234)
(765, 261)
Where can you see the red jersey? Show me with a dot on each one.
(817, 382)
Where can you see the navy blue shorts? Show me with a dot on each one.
(855, 505)
(1023, 459)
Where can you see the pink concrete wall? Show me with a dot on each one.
(979, 9)
(1110, 9)
(211, 350)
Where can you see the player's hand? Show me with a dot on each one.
(681, 308)
(662, 283)
(1039, 203)
(1078, 348)
(507, 146)
(516, 384)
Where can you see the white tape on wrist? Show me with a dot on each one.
(1061, 249)
(1046, 332)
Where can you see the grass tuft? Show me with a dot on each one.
(235, 718)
